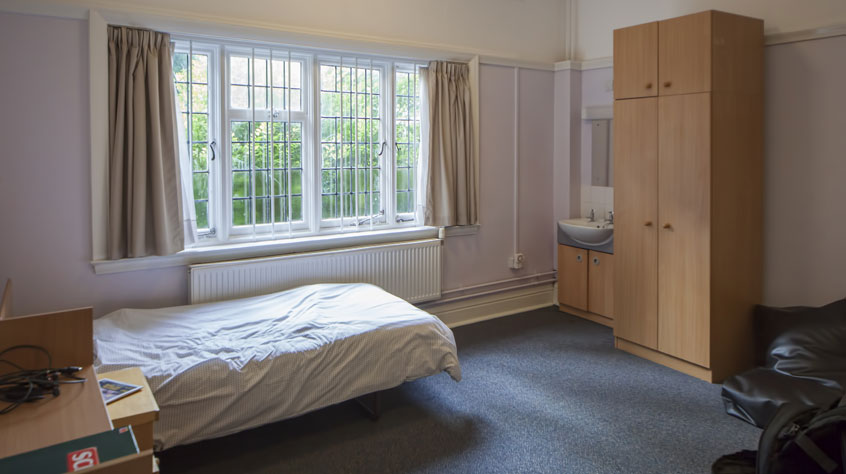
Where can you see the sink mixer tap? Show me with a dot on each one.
(592, 217)
(610, 217)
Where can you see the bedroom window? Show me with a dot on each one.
(407, 132)
(195, 102)
(351, 150)
(308, 143)
(266, 117)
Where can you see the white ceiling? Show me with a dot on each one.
(595, 20)
(531, 30)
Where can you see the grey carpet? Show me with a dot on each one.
(542, 392)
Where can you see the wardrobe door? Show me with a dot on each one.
(684, 183)
(636, 220)
(684, 54)
(636, 61)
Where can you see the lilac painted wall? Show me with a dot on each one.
(475, 259)
(805, 172)
(536, 180)
(45, 244)
(805, 168)
(45, 183)
(566, 143)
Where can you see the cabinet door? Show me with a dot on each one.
(573, 277)
(636, 221)
(684, 54)
(601, 283)
(684, 207)
(636, 61)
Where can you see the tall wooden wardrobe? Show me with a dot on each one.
(688, 150)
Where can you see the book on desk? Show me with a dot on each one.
(74, 455)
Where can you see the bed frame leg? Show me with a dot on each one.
(371, 404)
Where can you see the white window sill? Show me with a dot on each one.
(219, 253)
(458, 230)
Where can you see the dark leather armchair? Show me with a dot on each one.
(802, 353)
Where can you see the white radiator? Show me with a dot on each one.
(410, 270)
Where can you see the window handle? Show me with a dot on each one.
(211, 147)
(382, 149)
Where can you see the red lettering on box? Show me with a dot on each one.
(82, 459)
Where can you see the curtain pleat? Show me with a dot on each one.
(145, 194)
(451, 175)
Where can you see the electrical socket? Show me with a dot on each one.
(515, 262)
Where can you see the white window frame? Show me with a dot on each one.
(221, 115)
(213, 52)
(329, 225)
(279, 230)
(405, 67)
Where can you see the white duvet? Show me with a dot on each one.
(220, 368)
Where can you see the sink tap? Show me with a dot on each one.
(610, 217)
(592, 217)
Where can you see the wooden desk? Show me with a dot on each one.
(79, 410)
(138, 409)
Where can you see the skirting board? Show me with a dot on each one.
(597, 318)
(665, 360)
(482, 308)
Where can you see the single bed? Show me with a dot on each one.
(219, 368)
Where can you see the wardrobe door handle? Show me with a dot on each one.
(578, 258)
(649, 85)
(596, 260)
(668, 84)
(648, 223)
(668, 226)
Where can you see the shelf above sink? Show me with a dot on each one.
(583, 233)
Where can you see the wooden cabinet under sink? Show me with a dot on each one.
(585, 283)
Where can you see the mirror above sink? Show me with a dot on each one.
(597, 152)
(596, 181)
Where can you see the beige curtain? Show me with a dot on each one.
(145, 196)
(451, 171)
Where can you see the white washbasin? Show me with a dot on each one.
(587, 233)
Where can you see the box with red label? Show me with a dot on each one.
(74, 455)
